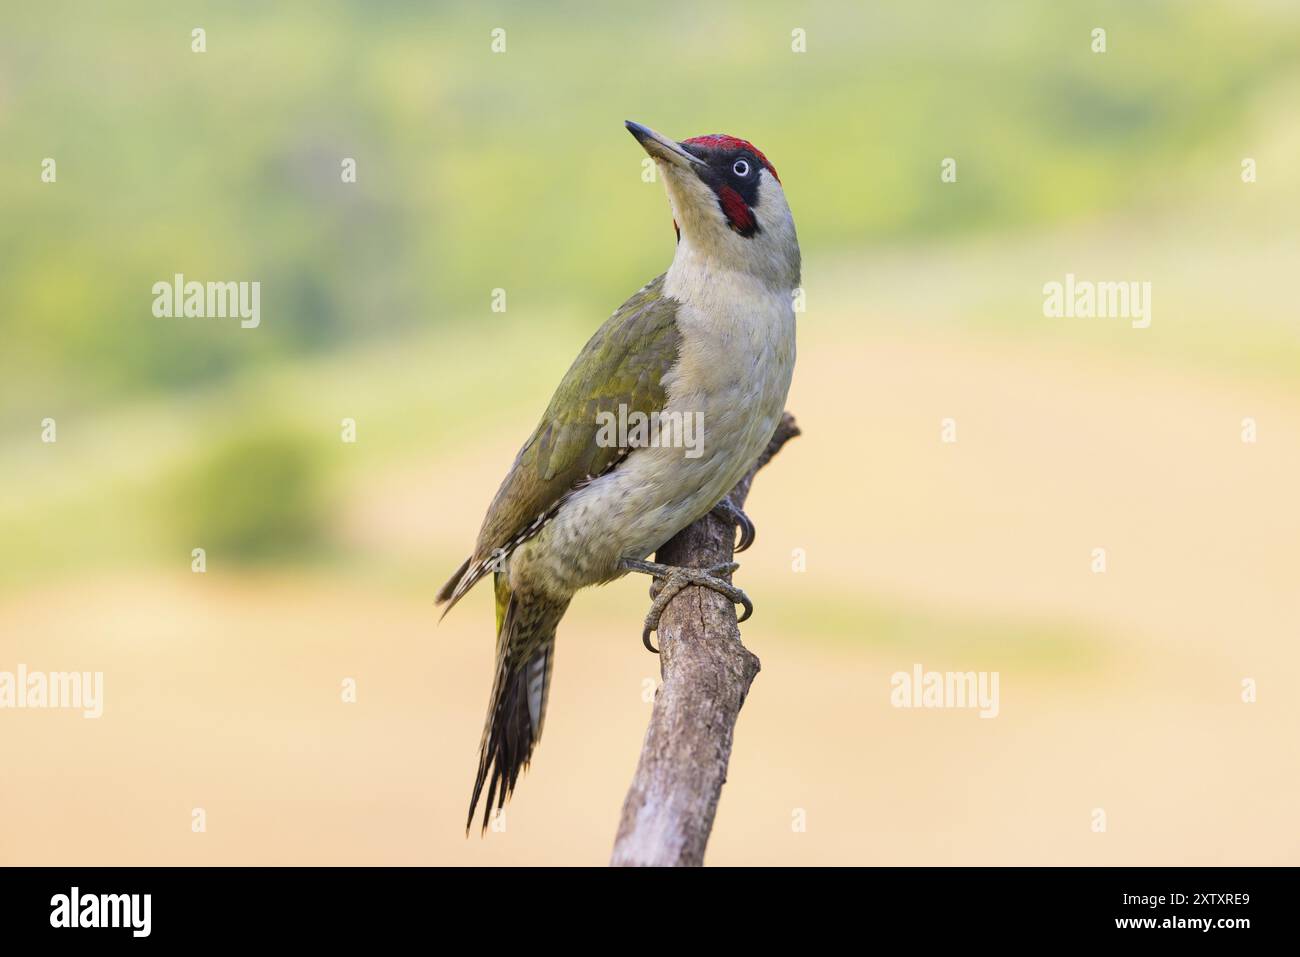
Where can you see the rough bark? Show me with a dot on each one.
(669, 810)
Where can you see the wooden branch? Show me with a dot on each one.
(669, 810)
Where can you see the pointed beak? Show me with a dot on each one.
(662, 148)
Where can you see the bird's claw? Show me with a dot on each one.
(671, 579)
(728, 512)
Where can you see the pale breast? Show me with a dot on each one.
(736, 361)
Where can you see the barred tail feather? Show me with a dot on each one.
(517, 706)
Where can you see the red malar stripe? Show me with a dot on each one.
(737, 210)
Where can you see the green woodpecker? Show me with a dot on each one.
(704, 354)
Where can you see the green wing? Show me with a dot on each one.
(623, 364)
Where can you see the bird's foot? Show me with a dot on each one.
(728, 512)
(671, 579)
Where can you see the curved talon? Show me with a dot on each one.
(746, 532)
(729, 513)
(669, 580)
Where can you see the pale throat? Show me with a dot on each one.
(700, 272)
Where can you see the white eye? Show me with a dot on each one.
(741, 168)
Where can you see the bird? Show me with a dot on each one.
(711, 341)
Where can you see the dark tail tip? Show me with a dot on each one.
(507, 746)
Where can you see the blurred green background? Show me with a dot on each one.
(479, 171)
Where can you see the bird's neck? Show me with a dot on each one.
(697, 272)
(719, 295)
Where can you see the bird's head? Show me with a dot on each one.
(728, 203)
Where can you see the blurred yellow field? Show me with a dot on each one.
(1119, 691)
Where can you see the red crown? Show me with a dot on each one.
(724, 142)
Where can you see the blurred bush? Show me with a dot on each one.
(254, 496)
